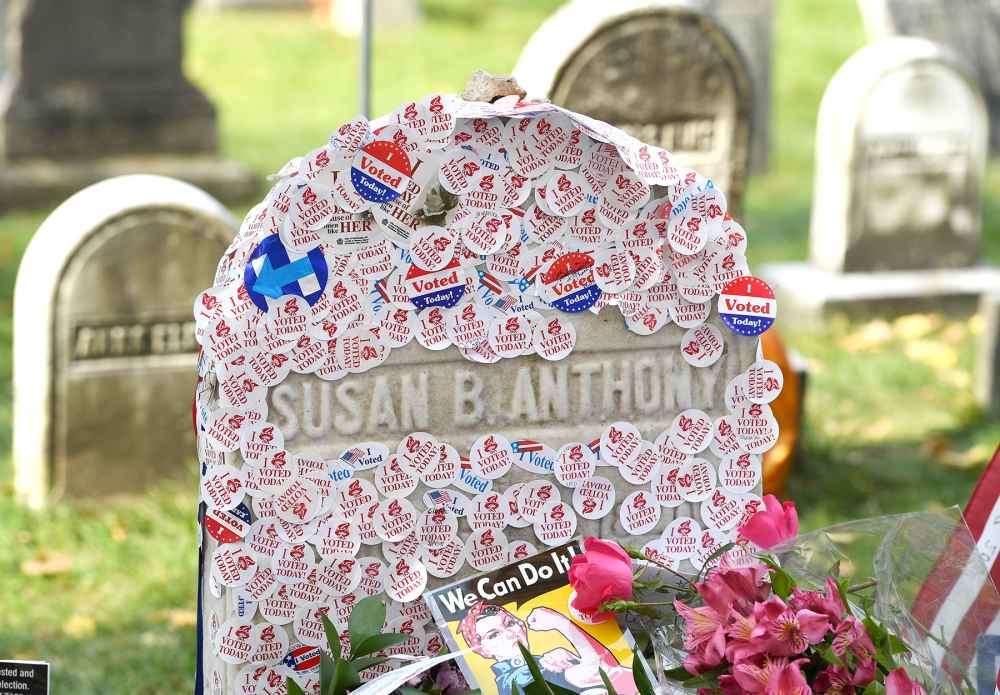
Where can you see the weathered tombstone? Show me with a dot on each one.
(95, 89)
(970, 28)
(900, 151)
(669, 75)
(751, 24)
(103, 339)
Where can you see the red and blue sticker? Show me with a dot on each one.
(568, 283)
(273, 271)
(381, 171)
(228, 526)
(747, 306)
(442, 288)
(302, 659)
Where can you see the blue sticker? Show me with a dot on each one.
(272, 272)
(569, 283)
(381, 171)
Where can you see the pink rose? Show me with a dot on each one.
(774, 525)
(602, 573)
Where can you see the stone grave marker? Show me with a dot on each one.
(669, 75)
(103, 338)
(96, 89)
(900, 150)
(970, 28)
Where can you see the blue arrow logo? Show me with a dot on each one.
(270, 280)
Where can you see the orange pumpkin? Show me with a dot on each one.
(787, 408)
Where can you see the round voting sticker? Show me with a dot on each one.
(747, 306)
(381, 171)
(273, 271)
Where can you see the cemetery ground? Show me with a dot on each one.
(105, 590)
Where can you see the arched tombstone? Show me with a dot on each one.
(669, 75)
(103, 338)
(897, 198)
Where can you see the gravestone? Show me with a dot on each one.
(103, 340)
(970, 28)
(668, 75)
(897, 198)
(96, 89)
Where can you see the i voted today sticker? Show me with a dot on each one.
(381, 171)
(747, 306)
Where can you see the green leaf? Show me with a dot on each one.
(678, 674)
(346, 678)
(719, 552)
(327, 669)
(640, 673)
(332, 638)
(407, 690)
(366, 620)
(293, 687)
(781, 582)
(377, 643)
(364, 662)
(607, 683)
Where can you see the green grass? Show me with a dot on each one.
(891, 423)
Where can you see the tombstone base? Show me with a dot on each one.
(39, 182)
(806, 293)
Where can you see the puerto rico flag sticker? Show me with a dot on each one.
(228, 526)
(747, 306)
(381, 171)
(441, 288)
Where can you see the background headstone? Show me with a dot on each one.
(971, 28)
(900, 153)
(751, 24)
(668, 75)
(96, 88)
(253, 4)
(104, 343)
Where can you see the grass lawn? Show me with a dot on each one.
(106, 591)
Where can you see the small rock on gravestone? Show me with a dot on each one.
(971, 28)
(104, 342)
(897, 198)
(96, 89)
(668, 75)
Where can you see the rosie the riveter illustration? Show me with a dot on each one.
(494, 633)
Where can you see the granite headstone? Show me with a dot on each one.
(897, 198)
(104, 342)
(670, 75)
(970, 28)
(97, 88)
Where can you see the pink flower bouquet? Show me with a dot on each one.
(777, 614)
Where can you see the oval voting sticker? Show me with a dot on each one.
(555, 523)
(594, 498)
(747, 306)
(438, 288)
(381, 171)
(486, 549)
(444, 561)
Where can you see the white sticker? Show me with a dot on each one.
(594, 498)
(691, 431)
(233, 565)
(486, 549)
(642, 467)
(293, 563)
(233, 641)
(724, 440)
(664, 487)
(764, 381)
(445, 471)
(535, 495)
(339, 577)
(575, 463)
(298, 501)
(491, 456)
(417, 453)
(392, 481)
(554, 339)
(555, 523)
(620, 443)
(696, 480)
(639, 513)
(489, 510)
(437, 527)
(445, 561)
(680, 538)
(702, 346)
(740, 473)
(722, 510)
(395, 519)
